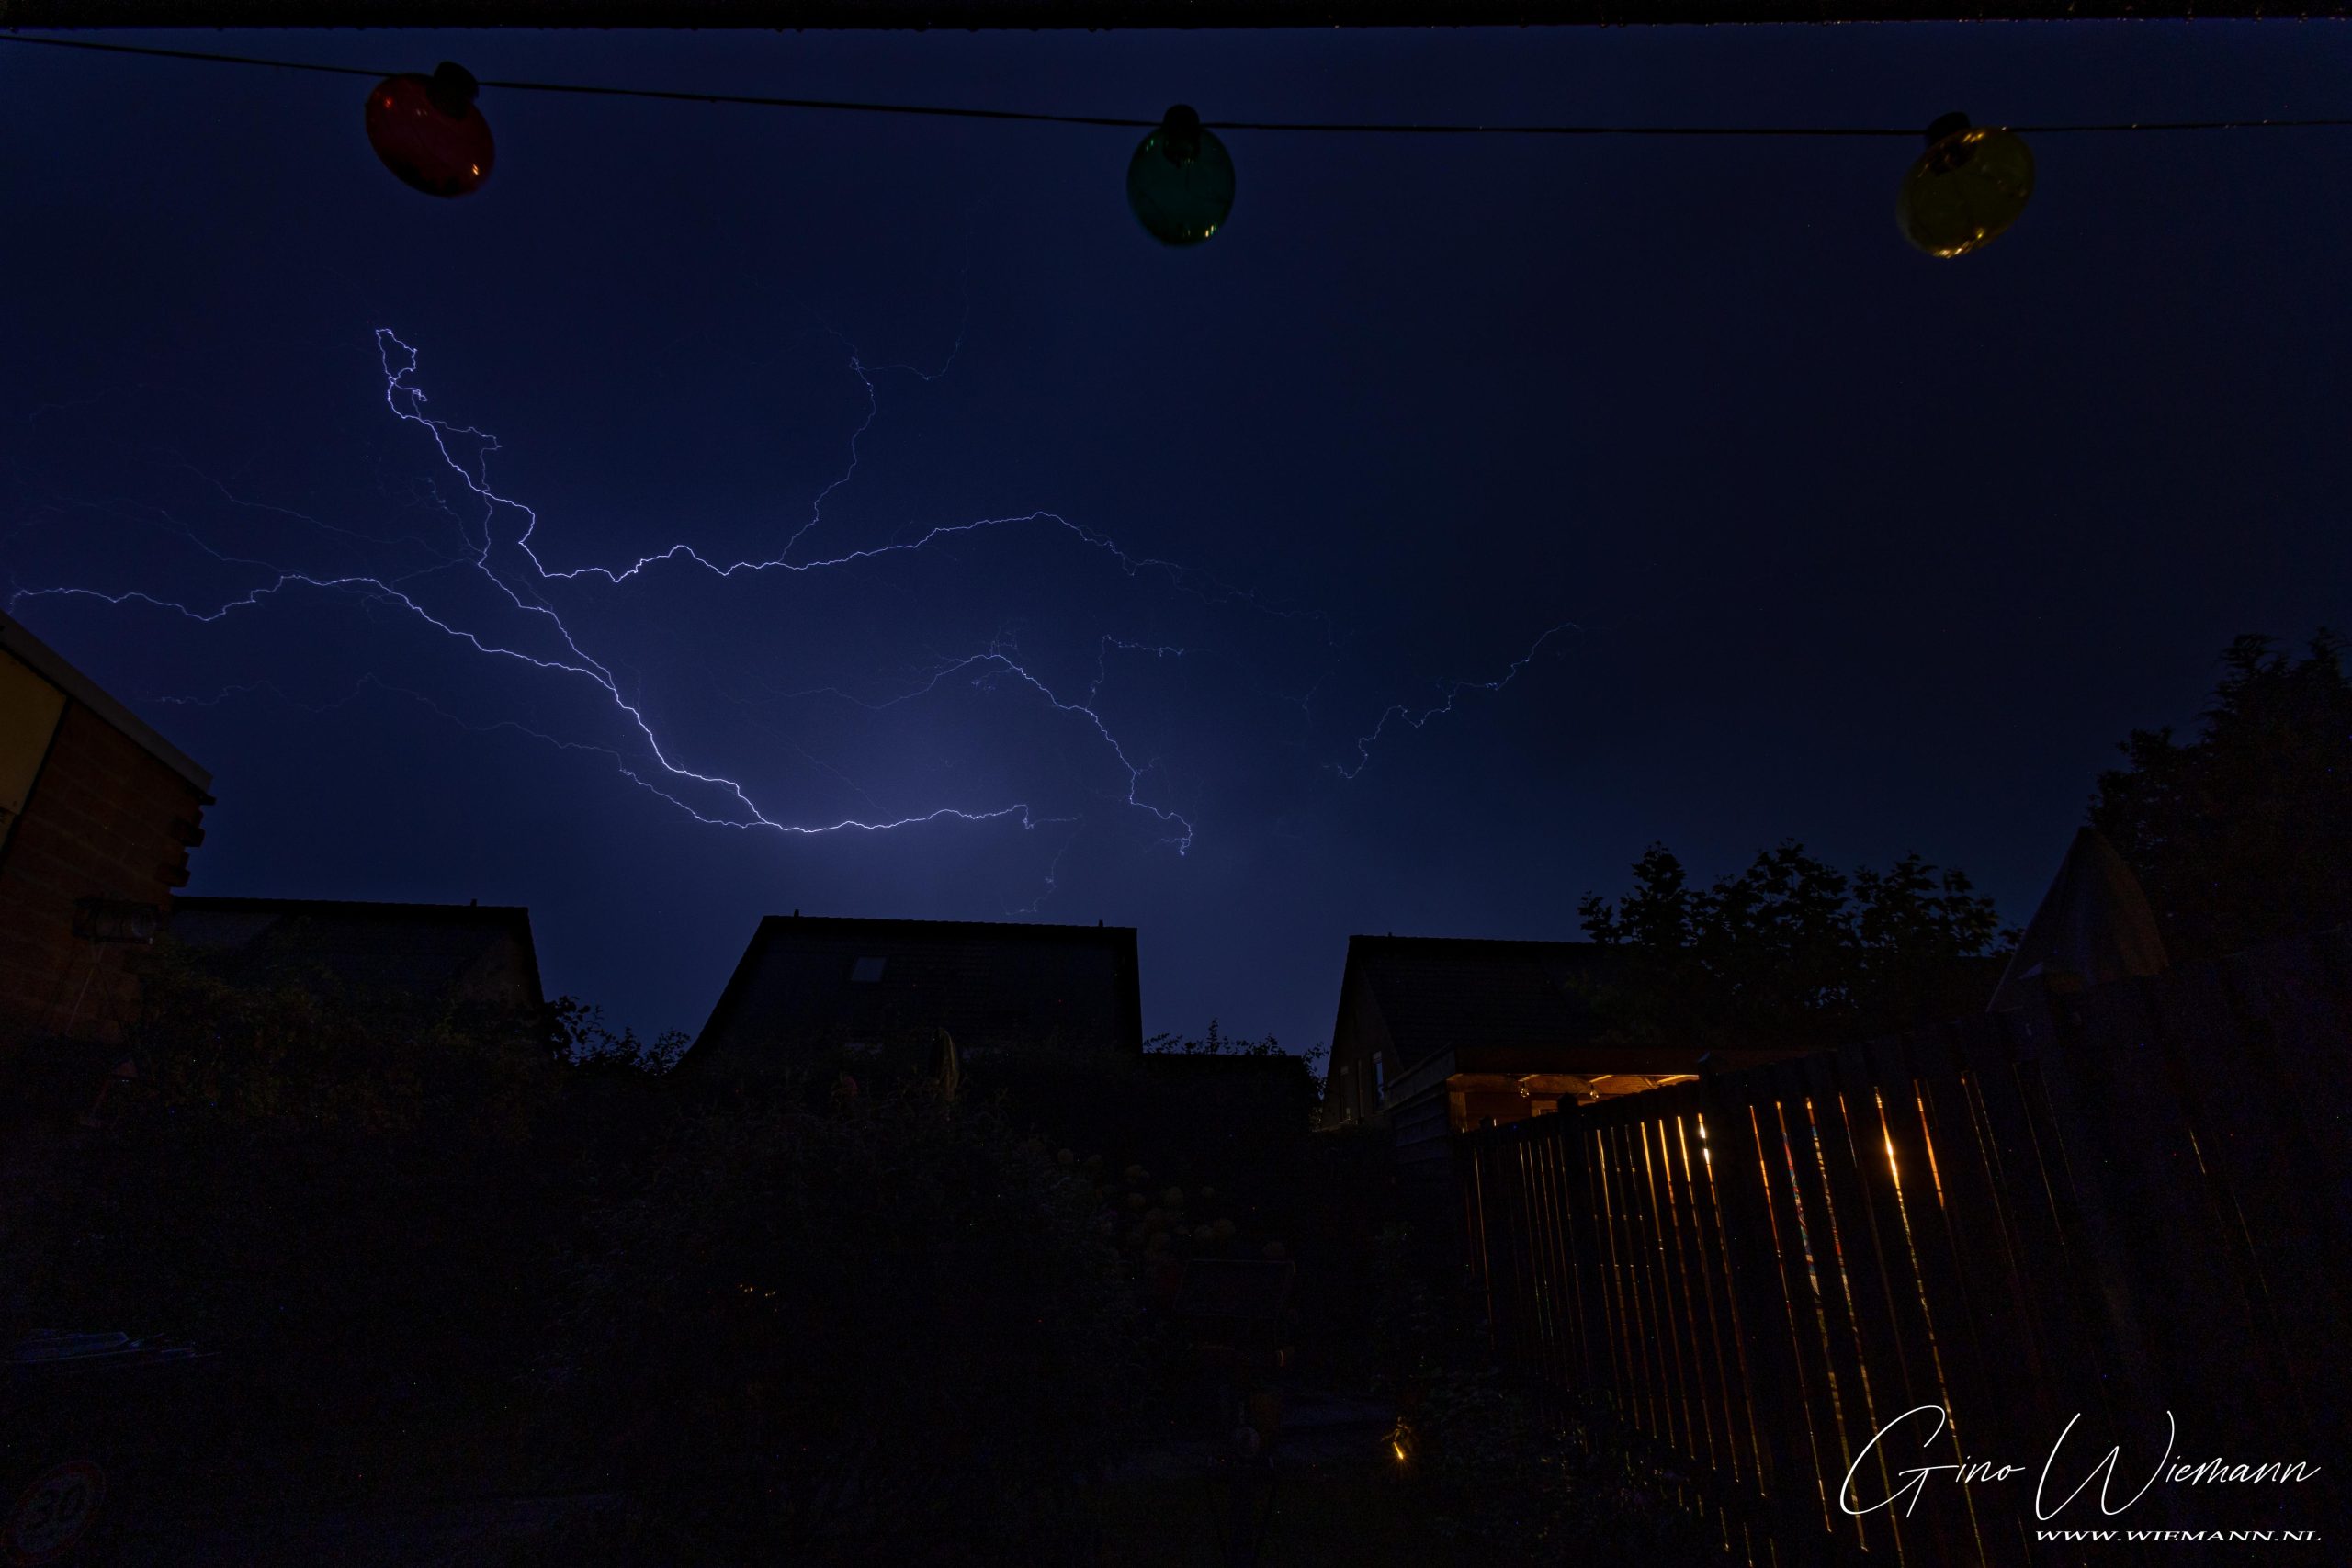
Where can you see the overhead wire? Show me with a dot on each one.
(950, 111)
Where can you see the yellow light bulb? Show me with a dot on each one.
(1965, 190)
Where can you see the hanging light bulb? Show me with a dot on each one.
(427, 131)
(1967, 187)
(1181, 180)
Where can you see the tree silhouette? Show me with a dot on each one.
(2245, 832)
(1790, 953)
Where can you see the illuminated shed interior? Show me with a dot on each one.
(1437, 1035)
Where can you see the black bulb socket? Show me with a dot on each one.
(453, 89)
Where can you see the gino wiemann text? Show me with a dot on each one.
(1929, 1422)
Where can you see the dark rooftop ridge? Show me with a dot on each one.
(817, 995)
(51, 666)
(229, 904)
(379, 936)
(1467, 945)
(1430, 994)
(968, 931)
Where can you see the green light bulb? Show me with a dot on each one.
(1181, 180)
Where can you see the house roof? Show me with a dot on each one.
(1508, 998)
(46, 662)
(2093, 925)
(813, 977)
(418, 949)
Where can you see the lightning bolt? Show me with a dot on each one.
(502, 547)
(1417, 718)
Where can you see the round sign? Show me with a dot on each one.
(55, 1512)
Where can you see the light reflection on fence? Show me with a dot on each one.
(2121, 1203)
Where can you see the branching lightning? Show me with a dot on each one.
(1417, 718)
(504, 547)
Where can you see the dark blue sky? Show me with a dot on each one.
(1847, 544)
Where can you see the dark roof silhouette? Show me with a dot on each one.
(820, 982)
(2093, 926)
(1419, 1014)
(48, 664)
(427, 951)
(1504, 999)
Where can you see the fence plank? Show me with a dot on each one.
(2299, 994)
(1869, 1076)
(1712, 1410)
(1748, 1464)
(1981, 1371)
(2291, 1006)
(1879, 1352)
(1533, 1349)
(1839, 1398)
(1490, 1237)
(1625, 1383)
(2076, 1346)
(1970, 1173)
(1543, 1150)
(1644, 1365)
(1473, 1227)
(1674, 1280)
(1768, 1309)
(2183, 1253)
(2245, 1164)
(1586, 1249)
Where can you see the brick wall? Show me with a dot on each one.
(105, 818)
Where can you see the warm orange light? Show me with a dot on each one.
(1400, 1450)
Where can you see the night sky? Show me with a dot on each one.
(1841, 542)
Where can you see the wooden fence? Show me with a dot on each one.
(2122, 1203)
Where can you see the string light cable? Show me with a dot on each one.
(1365, 128)
(1962, 192)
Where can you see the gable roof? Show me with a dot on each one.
(819, 979)
(51, 666)
(2093, 925)
(421, 950)
(1501, 998)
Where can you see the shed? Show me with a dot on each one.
(473, 953)
(1437, 1035)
